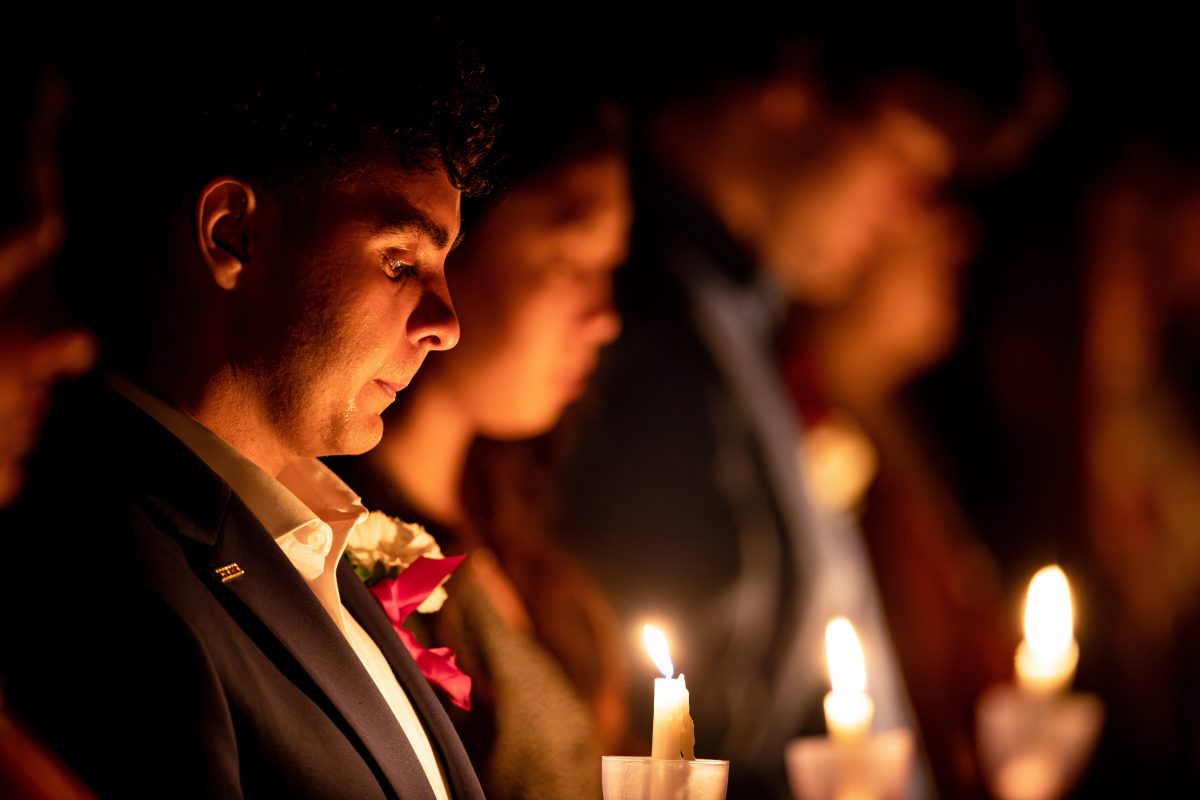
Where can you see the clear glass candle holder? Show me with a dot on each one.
(877, 767)
(1035, 745)
(641, 778)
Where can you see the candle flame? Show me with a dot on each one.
(844, 656)
(656, 645)
(1048, 616)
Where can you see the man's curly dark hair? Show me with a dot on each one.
(303, 118)
(297, 118)
(155, 121)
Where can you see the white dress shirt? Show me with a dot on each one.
(310, 512)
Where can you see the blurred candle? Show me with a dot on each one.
(674, 735)
(848, 707)
(1046, 659)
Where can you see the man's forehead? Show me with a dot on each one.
(389, 198)
(408, 220)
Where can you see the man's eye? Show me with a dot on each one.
(398, 269)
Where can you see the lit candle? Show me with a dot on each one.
(674, 735)
(848, 707)
(1046, 659)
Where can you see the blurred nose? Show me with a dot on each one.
(63, 354)
(602, 321)
(433, 323)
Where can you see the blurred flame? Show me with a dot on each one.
(1049, 620)
(844, 656)
(656, 645)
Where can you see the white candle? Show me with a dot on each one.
(674, 735)
(848, 707)
(1046, 659)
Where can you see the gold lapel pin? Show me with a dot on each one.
(229, 572)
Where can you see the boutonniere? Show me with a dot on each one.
(402, 565)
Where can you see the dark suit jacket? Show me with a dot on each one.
(125, 650)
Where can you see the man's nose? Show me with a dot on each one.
(433, 323)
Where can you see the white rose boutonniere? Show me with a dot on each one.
(404, 568)
(381, 547)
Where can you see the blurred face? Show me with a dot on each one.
(908, 304)
(34, 352)
(533, 285)
(353, 299)
(34, 355)
(1180, 277)
(830, 219)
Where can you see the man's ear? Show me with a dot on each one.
(224, 213)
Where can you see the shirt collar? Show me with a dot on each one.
(762, 307)
(747, 286)
(306, 509)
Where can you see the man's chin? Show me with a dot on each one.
(366, 433)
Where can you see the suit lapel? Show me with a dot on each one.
(187, 497)
(460, 775)
(273, 591)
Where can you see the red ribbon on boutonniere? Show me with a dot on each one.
(402, 565)
(399, 597)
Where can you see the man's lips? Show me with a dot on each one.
(391, 388)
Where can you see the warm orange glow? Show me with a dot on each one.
(1049, 622)
(656, 646)
(1047, 658)
(848, 708)
(844, 657)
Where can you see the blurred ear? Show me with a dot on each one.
(225, 212)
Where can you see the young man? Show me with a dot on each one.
(293, 287)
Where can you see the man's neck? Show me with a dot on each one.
(228, 408)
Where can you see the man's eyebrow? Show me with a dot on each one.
(411, 220)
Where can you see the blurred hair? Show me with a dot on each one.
(508, 489)
(964, 68)
(555, 110)
(19, 84)
(847, 48)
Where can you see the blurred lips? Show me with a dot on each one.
(576, 379)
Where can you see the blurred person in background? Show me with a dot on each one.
(1141, 435)
(469, 447)
(37, 349)
(867, 455)
(768, 170)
